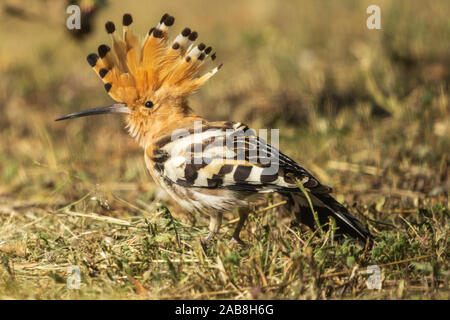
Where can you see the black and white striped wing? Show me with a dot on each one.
(230, 156)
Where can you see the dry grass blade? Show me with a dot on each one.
(342, 273)
(96, 217)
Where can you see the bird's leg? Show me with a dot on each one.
(214, 225)
(243, 215)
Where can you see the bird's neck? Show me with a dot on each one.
(147, 130)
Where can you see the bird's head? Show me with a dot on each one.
(150, 80)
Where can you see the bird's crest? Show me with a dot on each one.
(133, 70)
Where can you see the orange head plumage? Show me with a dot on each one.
(151, 76)
(156, 69)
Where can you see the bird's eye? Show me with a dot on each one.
(149, 104)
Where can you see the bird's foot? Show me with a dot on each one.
(238, 241)
(206, 241)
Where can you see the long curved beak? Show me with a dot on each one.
(114, 108)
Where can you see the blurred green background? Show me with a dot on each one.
(367, 111)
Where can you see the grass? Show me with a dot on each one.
(366, 111)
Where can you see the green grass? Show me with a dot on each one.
(366, 111)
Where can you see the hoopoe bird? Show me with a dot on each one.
(206, 167)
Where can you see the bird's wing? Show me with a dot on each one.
(229, 155)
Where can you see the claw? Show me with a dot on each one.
(207, 240)
(238, 241)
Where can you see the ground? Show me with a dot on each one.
(367, 111)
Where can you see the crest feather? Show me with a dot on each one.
(132, 70)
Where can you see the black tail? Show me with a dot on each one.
(326, 206)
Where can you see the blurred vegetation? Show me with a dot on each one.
(367, 111)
